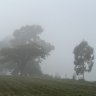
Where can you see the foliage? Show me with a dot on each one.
(83, 58)
(26, 34)
(26, 49)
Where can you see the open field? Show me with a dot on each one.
(22, 86)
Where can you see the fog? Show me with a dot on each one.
(66, 23)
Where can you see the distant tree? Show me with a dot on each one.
(27, 50)
(84, 56)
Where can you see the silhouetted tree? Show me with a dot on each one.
(84, 56)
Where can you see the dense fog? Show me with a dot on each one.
(65, 22)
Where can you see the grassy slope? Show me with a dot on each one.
(17, 86)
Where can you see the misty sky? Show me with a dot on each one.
(66, 23)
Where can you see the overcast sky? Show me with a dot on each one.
(66, 23)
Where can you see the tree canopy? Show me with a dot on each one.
(26, 34)
(84, 56)
(26, 49)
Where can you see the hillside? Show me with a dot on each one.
(22, 86)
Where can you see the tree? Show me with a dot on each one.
(21, 55)
(84, 56)
(27, 50)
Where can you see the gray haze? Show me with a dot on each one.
(66, 23)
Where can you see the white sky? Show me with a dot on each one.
(66, 23)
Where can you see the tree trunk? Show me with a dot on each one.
(83, 72)
(83, 76)
(22, 67)
(22, 70)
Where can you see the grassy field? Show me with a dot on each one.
(22, 86)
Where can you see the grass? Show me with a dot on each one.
(25, 86)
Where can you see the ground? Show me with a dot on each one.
(25, 86)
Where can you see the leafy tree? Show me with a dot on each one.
(27, 51)
(84, 56)
(21, 55)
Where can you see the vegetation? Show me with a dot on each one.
(25, 52)
(21, 56)
(84, 56)
(22, 86)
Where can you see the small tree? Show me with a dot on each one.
(83, 58)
